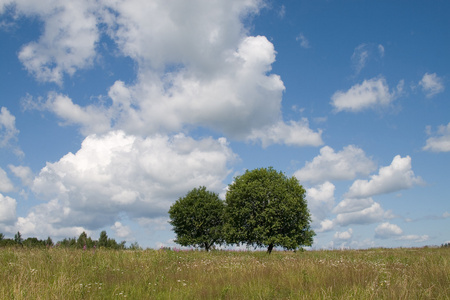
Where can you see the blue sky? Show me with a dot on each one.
(112, 110)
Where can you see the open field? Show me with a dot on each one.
(422, 273)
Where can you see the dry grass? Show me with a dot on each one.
(105, 274)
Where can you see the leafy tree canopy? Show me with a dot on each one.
(266, 208)
(197, 219)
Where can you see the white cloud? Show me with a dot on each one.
(415, 238)
(24, 173)
(359, 57)
(5, 184)
(121, 230)
(371, 214)
(352, 204)
(326, 225)
(196, 68)
(344, 235)
(397, 176)
(8, 130)
(68, 41)
(93, 119)
(140, 177)
(441, 141)
(343, 165)
(303, 41)
(292, 134)
(7, 209)
(381, 50)
(431, 84)
(320, 200)
(387, 230)
(370, 94)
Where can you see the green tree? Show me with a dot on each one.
(18, 238)
(49, 242)
(82, 240)
(103, 240)
(266, 208)
(197, 219)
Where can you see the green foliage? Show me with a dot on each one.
(266, 208)
(103, 240)
(18, 238)
(197, 219)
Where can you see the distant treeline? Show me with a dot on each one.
(82, 242)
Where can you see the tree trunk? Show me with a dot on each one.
(207, 247)
(269, 250)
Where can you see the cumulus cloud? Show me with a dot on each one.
(5, 184)
(68, 41)
(8, 130)
(292, 134)
(440, 142)
(330, 165)
(116, 172)
(320, 200)
(197, 67)
(7, 209)
(387, 230)
(92, 119)
(121, 230)
(325, 225)
(352, 204)
(370, 94)
(431, 84)
(24, 173)
(397, 176)
(371, 214)
(344, 235)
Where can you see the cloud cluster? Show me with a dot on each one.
(370, 94)
(431, 84)
(397, 176)
(8, 130)
(358, 206)
(440, 142)
(320, 200)
(197, 67)
(387, 230)
(116, 173)
(329, 165)
(5, 183)
(7, 210)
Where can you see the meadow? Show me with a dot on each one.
(51, 273)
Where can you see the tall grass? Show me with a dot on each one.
(160, 274)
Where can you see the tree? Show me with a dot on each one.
(103, 240)
(82, 240)
(197, 219)
(266, 208)
(18, 238)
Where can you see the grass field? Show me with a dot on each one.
(419, 273)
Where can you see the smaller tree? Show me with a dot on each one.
(18, 238)
(82, 240)
(197, 219)
(103, 240)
